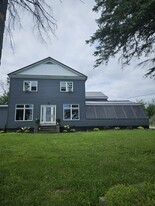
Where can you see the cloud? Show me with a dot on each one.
(76, 23)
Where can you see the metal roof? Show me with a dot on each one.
(125, 102)
(95, 95)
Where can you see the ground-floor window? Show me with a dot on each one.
(71, 112)
(24, 112)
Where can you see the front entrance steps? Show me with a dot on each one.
(49, 128)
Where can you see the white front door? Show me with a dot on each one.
(48, 114)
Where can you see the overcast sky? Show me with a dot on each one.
(75, 24)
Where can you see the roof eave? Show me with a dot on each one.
(47, 77)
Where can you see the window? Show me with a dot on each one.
(66, 86)
(31, 86)
(24, 112)
(71, 112)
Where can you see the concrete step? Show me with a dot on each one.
(49, 129)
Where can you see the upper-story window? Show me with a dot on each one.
(66, 86)
(31, 86)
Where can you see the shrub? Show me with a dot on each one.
(140, 127)
(117, 128)
(65, 131)
(140, 195)
(72, 130)
(96, 129)
(66, 128)
(2, 131)
(23, 130)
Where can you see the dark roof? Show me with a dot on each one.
(95, 95)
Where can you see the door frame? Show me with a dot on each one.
(43, 115)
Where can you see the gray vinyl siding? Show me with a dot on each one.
(114, 123)
(48, 93)
(3, 116)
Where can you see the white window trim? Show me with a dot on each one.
(24, 113)
(30, 85)
(66, 86)
(71, 115)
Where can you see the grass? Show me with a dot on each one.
(72, 169)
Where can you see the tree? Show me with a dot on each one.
(5, 89)
(126, 26)
(40, 11)
(150, 109)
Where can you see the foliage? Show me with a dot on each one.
(96, 129)
(1, 131)
(4, 86)
(140, 127)
(72, 168)
(23, 130)
(4, 99)
(72, 130)
(150, 109)
(140, 195)
(39, 10)
(117, 128)
(127, 27)
(66, 128)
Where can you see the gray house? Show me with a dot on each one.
(50, 92)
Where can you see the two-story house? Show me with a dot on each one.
(49, 91)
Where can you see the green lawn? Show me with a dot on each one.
(74, 168)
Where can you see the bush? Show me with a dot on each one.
(96, 129)
(23, 130)
(66, 128)
(65, 131)
(140, 127)
(72, 130)
(117, 128)
(2, 131)
(140, 195)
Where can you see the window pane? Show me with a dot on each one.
(34, 85)
(28, 106)
(63, 86)
(28, 114)
(27, 85)
(19, 106)
(19, 114)
(67, 106)
(75, 114)
(70, 86)
(75, 106)
(67, 114)
(48, 114)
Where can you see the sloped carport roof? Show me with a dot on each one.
(114, 110)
